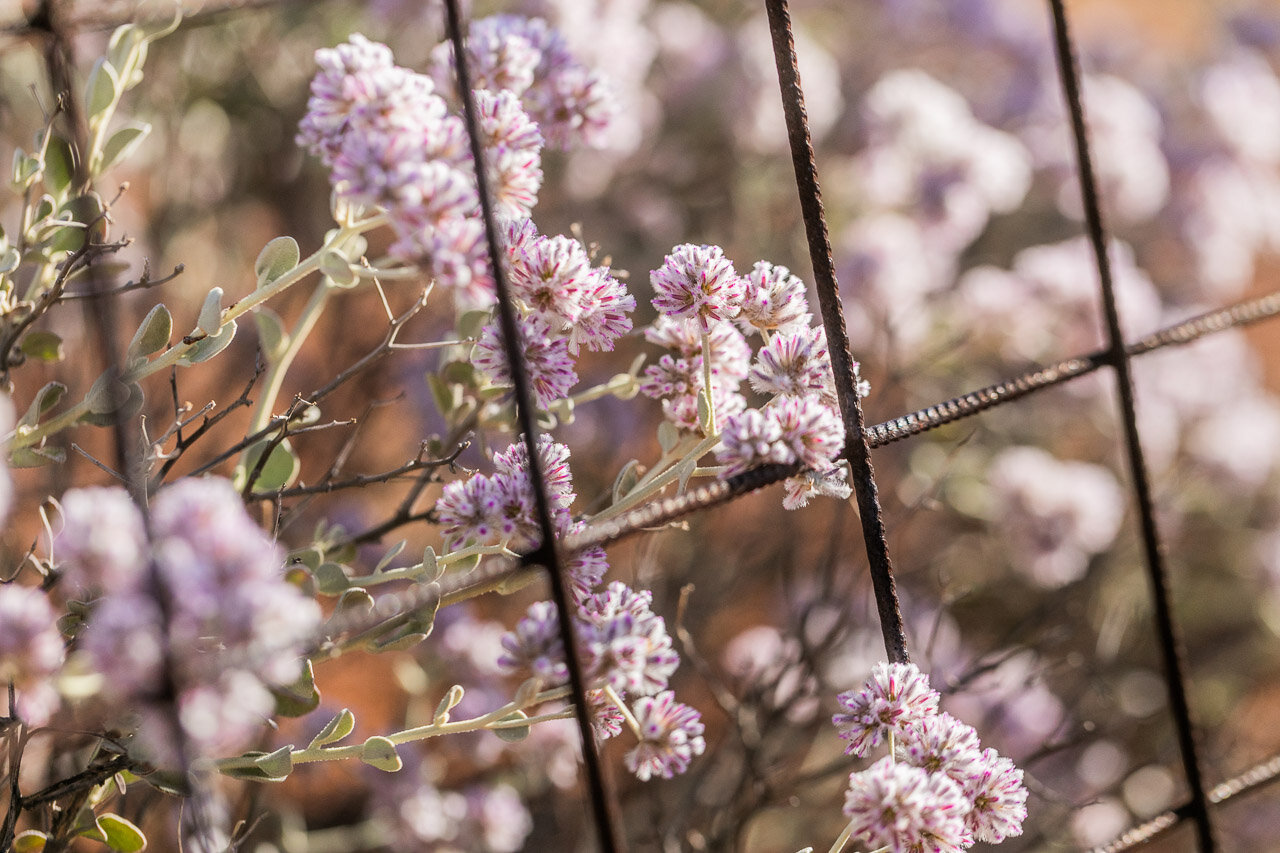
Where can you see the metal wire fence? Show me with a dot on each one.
(860, 439)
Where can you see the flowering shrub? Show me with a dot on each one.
(202, 572)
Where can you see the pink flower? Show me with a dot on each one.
(894, 700)
(670, 736)
(546, 356)
(697, 282)
(906, 809)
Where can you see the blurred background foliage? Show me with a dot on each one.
(1054, 663)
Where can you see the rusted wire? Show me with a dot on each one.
(1118, 357)
(856, 450)
(546, 554)
(1253, 779)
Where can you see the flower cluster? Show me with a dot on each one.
(629, 662)
(937, 789)
(392, 144)
(564, 303)
(199, 607)
(706, 311)
(31, 651)
(571, 103)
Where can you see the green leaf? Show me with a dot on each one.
(459, 373)
(278, 472)
(276, 258)
(668, 436)
(276, 766)
(431, 568)
(335, 730)
(207, 348)
(100, 93)
(25, 169)
(121, 835)
(59, 166)
(210, 319)
(447, 397)
(46, 398)
(626, 479)
(338, 270)
(447, 704)
(470, 323)
(37, 457)
(42, 346)
(392, 553)
(331, 579)
(131, 405)
(9, 260)
(122, 144)
(107, 395)
(704, 411)
(153, 332)
(399, 641)
(30, 841)
(380, 753)
(300, 698)
(272, 337)
(356, 598)
(512, 734)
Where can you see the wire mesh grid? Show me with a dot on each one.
(860, 439)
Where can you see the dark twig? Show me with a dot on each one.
(1167, 631)
(546, 553)
(144, 282)
(856, 449)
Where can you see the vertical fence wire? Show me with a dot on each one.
(546, 553)
(856, 450)
(1166, 627)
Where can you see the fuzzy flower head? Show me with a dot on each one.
(546, 355)
(773, 298)
(750, 439)
(895, 700)
(102, 546)
(535, 645)
(999, 799)
(811, 429)
(943, 744)
(697, 282)
(904, 809)
(795, 363)
(628, 643)
(670, 736)
(513, 152)
(31, 650)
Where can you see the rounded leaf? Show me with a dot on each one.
(276, 258)
(100, 93)
(338, 270)
(121, 835)
(512, 733)
(123, 143)
(210, 319)
(380, 753)
(207, 348)
(276, 766)
(153, 333)
(278, 472)
(335, 730)
(272, 337)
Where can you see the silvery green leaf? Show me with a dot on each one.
(9, 260)
(100, 93)
(527, 692)
(704, 411)
(331, 579)
(626, 480)
(46, 398)
(276, 766)
(338, 270)
(278, 472)
(210, 319)
(668, 436)
(512, 734)
(276, 258)
(37, 457)
(272, 337)
(380, 753)
(42, 346)
(431, 567)
(335, 730)
(123, 45)
(684, 471)
(107, 394)
(123, 143)
(300, 698)
(447, 704)
(207, 348)
(117, 833)
(356, 598)
(59, 166)
(153, 332)
(391, 554)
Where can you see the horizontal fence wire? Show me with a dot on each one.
(664, 511)
(1253, 779)
(1166, 624)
